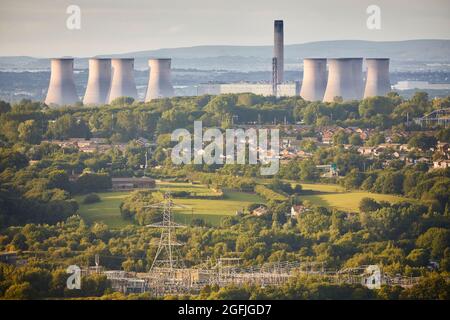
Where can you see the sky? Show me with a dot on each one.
(38, 27)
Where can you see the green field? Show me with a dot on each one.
(106, 211)
(334, 196)
(212, 211)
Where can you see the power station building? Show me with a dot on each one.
(61, 89)
(159, 82)
(358, 77)
(377, 79)
(278, 50)
(99, 82)
(314, 79)
(264, 89)
(339, 83)
(113, 78)
(122, 83)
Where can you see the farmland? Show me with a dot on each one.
(212, 211)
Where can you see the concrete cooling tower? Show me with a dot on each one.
(159, 82)
(314, 79)
(122, 83)
(340, 79)
(99, 81)
(358, 78)
(61, 89)
(377, 80)
(278, 49)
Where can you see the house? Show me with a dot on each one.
(8, 257)
(297, 210)
(441, 164)
(259, 211)
(132, 183)
(366, 151)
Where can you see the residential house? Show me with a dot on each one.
(260, 211)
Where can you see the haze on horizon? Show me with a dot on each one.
(38, 27)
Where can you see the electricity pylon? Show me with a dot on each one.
(164, 256)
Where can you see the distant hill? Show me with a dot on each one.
(404, 54)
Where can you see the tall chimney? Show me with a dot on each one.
(99, 81)
(61, 89)
(278, 49)
(340, 80)
(358, 78)
(314, 79)
(377, 80)
(122, 83)
(159, 82)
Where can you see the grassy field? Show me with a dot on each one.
(334, 196)
(348, 201)
(212, 211)
(106, 211)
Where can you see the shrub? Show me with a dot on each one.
(91, 198)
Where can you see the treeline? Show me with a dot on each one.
(432, 287)
(416, 182)
(125, 119)
(403, 238)
(43, 192)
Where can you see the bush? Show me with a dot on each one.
(91, 198)
(269, 194)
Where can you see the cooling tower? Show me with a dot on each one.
(159, 82)
(314, 79)
(61, 89)
(377, 83)
(122, 83)
(358, 78)
(341, 79)
(99, 81)
(278, 49)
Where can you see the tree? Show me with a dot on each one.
(436, 240)
(340, 137)
(58, 179)
(307, 170)
(4, 107)
(368, 205)
(30, 132)
(92, 182)
(355, 139)
(444, 135)
(22, 291)
(433, 287)
(122, 101)
(423, 142)
(67, 126)
(374, 106)
(376, 139)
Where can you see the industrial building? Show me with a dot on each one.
(278, 50)
(340, 80)
(159, 82)
(264, 89)
(99, 81)
(61, 89)
(377, 79)
(122, 83)
(113, 78)
(314, 79)
(357, 74)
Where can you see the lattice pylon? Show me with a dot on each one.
(164, 256)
